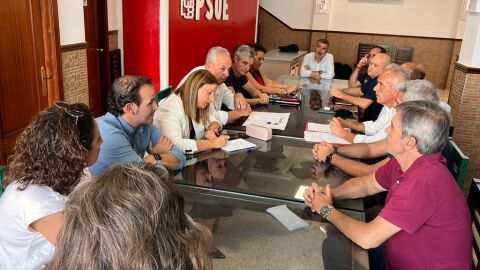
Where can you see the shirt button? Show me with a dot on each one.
(398, 182)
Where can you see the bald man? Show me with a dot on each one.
(364, 97)
(416, 70)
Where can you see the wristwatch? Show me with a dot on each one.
(157, 157)
(325, 211)
(328, 159)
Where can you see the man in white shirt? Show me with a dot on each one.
(387, 95)
(218, 62)
(319, 64)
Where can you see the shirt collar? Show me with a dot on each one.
(421, 160)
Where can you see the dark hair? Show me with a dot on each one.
(257, 47)
(382, 49)
(322, 40)
(417, 74)
(53, 149)
(125, 90)
(131, 217)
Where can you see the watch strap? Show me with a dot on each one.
(325, 211)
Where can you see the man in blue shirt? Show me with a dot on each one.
(127, 129)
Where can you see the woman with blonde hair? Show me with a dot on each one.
(131, 217)
(48, 160)
(184, 115)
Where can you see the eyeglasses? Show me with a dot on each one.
(67, 108)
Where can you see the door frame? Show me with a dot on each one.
(51, 44)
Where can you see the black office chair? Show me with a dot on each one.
(163, 93)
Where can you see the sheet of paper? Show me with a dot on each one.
(313, 136)
(301, 189)
(238, 144)
(318, 127)
(268, 119)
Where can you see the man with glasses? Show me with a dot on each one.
(318, 64)
(127, 128)
(425, 223)
(387, 95)
(237, 79)
(218, 62)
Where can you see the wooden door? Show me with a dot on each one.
(29, 65)
(96, 36)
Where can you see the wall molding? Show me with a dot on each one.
(73, 47)
(353, 33)
(465, 69)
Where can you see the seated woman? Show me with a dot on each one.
(184, 115)
(261, 81)
(131, 217)
(48, 160)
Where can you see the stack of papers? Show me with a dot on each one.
(321, 132)
(268, 120)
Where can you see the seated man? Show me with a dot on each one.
(318, 64)
(365, 97)
(338, 156)
(425, 223)
(218, 62)
(388, 96)
(237, 79)
(127, 128)
(356, 80)
(416, 70)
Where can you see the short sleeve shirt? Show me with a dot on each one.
(237, 83)
(427, 205)
(20, 247)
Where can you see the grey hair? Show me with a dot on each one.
(244, 51)
(212, 53)
(419, 90)
(427, 123)
(399, 73)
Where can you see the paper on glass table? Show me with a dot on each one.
(314, 136)
(287, 218)
(238, 144)
(268, 119)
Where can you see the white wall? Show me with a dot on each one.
(71, 22)
(112, 15)
(296, 14)
(429, 18)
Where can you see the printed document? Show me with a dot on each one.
(268, 119)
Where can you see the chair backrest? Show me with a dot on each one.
(163, 93)
(474, 205)
(404, 54)
(460, 163)
(2, 170)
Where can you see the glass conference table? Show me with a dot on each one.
(230, 193)
(313, 108)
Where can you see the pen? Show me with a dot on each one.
(217, 133)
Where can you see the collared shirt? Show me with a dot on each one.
(427, 205)
(223, 95)
(375, 130)
(325, 66)
(123, 143)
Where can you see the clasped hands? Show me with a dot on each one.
(317, 197)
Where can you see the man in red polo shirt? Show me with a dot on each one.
(425, 223)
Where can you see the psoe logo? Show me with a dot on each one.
(190, 9)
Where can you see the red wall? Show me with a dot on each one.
(189, 40)
(141, 44)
